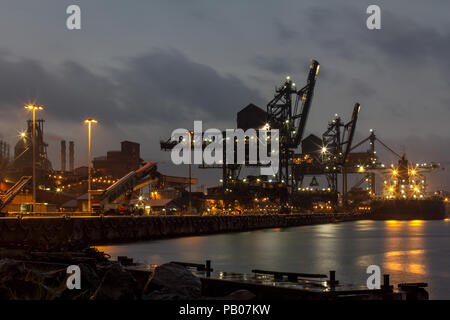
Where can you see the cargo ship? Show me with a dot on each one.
(410, 209)
(405, 195)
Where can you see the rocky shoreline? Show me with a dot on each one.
(27, 274)
(32, 275)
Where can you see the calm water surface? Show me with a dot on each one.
(410, 251)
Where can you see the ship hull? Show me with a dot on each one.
(429, 209)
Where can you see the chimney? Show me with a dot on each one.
(63, 155)
(71, 155)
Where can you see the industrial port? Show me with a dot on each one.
(122, 183)
(207, 159)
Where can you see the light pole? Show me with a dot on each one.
(34, 108)
(89, 122)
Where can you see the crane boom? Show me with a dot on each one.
(286, 114)
(306, 95)
(350, 129)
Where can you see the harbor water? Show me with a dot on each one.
(410, 251)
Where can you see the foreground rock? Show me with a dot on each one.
(117, 284)
(238, 295)
(42, 275)
(172, 282)
(20, 283)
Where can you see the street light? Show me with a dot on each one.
(89, 121)
(34, 108)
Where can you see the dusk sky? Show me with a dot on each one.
(145, 68)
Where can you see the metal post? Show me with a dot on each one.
(89, 122)
(372, 175)
(344, 181)
(208, 268)
(386, 281)
(34, 159)
(89, 170)
(332, 279)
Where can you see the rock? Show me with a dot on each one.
(90, 281)
(20, 283)
(16, 254)
(163, 295)
(171, 281)
(10, 269)
(116, 284)
(240, 295)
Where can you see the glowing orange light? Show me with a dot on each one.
(33, 107)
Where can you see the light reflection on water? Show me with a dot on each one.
(410, 251)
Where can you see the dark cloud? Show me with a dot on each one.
(167, 86)
(409, 41)
(70, 93)
(361, 89)
(161, 86)
(402, 40)
(275, 65)
(285, 33)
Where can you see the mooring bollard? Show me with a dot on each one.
(208, 268)
(333, 282)
(386, 280)
(386, 285)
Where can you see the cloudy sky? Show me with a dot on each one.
(144, 68)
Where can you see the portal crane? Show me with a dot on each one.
(286, 114)
(337, 142)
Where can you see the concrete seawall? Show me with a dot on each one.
(60, 231)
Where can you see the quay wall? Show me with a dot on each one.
(63, 231)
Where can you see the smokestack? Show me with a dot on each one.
(4, 151)
(71, 155)
(63, 155)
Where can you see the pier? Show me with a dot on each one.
(95, 230)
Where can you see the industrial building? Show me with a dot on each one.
(118, 163)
